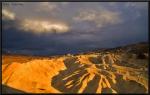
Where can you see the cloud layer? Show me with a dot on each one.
(71, 27)
(38, 26)
(100, 18)
(8, 15)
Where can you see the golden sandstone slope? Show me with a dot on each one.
(122, 70)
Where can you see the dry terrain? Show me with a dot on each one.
(119, 70)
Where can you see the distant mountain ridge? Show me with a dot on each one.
(10, 52)
(119, 70)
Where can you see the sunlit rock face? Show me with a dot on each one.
(121, 70)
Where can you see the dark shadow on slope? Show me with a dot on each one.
(92, 85)
(10, 90)
(59, 82)
(95, 60)
(142, 56)
(127, 86)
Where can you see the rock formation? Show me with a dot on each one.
(98, 72)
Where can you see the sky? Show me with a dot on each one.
(51, 28)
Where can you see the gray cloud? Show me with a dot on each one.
(101, 18)
(8, 15)
(41, 26)
(73, 26)
(37, 25)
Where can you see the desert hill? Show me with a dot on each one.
(117, 70)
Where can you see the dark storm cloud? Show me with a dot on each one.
(72, 27)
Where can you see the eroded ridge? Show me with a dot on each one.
(100, 74)
(105, 72)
